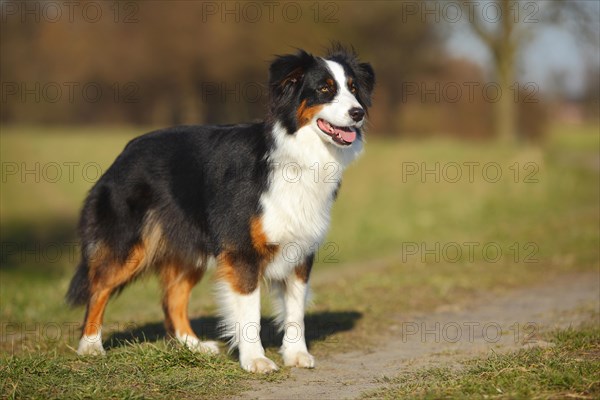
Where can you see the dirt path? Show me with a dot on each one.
(501, 323)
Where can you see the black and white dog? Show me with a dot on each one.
(233, 197)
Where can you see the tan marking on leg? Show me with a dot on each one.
(302, 271)
(241, 275)
(95, 312)
(105, 276)
(244, 272)
(154, 240)
(259, 240)
(178, 282)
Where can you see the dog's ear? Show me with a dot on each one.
(286, 72)
(286, 76)
(365, 76)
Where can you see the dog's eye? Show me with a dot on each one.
(353, 88)
(324, 89)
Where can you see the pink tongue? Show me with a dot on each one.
(348, 135)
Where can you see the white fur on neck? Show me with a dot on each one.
(296, 207)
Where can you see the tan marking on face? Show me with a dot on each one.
(350, 83)
(305, 114)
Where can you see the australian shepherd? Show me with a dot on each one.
(244, 199)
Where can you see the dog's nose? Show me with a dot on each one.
(357, 114)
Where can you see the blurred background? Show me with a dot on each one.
(491, 68)
(484, 126)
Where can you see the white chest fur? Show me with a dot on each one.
(296, 207)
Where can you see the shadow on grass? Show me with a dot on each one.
(50, 244)
(319, 326)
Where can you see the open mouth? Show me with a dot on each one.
(343, 135)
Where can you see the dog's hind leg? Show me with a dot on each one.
(105, 275)
(178, 281)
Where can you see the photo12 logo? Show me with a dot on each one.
(470, 92)
(467, 331)
(224, 92)
(126, 12)
(453, 12)
(270, 11)
(69, 92)
(469, 172)
(50, 172)
(455, 252)
(27, 335)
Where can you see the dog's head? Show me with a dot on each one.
(330, 94)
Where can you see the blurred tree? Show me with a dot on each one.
(507, 29)
(402, 47)
(171, 65)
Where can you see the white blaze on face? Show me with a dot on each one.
(337, 112)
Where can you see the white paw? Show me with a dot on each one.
(300, 359)
(260, 365)
(205, 347)
(195, 345)
(90, 346)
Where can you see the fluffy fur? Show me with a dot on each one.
(252, 199)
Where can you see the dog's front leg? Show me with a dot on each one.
(239, 297)
(294, 293)
(252, 354)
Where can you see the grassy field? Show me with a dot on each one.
(450, 220)
(570, 369)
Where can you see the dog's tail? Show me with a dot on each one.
(79, 289)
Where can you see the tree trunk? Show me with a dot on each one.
(505, 110)
(502, 43)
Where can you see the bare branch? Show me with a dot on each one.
(477, 26)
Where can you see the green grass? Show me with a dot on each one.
(378, 214)
(47, 172)
(380, 206)
(570, 369)
(153, 371)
